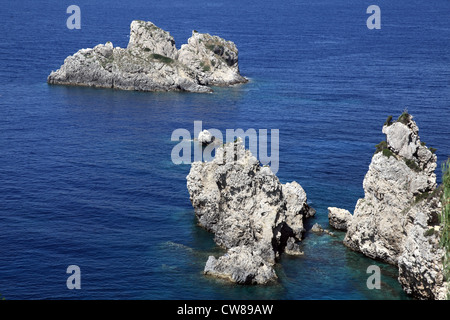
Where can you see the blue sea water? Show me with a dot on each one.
(86, 176)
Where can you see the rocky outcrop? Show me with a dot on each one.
(213, 59)
(145, 36)
(401, 170)
(241, 265)
(151, 62)
(338, 218)
(396, 221)
(252, 215)
(205, 137)
(317, 228)
(421, 261)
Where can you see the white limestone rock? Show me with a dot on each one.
(205, 137)
(145, 36)
(241, 265)
(245, 204)
(338, 218)
(390, 186)
(421, 261)
(212, 58)
(149, 63)
(397, 220)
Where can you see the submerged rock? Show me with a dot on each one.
(151, 62)
(252, 215)
(241, 265)
(317, 228)
(392, 222)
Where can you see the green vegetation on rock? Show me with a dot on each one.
(404, 118)
(215, 47)
(205, 66)
(412, 165)
(433, 150)
(429, 232)
(387, 153)
(388, 121)
(383, 148)
(162, 58)
(422, 196)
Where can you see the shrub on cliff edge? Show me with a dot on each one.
(404, 118)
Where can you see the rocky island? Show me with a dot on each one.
(151, 62)
(399, 219)
(403, 218)
(252, 215)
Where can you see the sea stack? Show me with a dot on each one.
(151, 62)
(397, 221)
(252, 215)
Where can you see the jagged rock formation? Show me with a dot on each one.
(421, 261)
(151, 62)
(253, 215)
(145, 36)
(339, 219)
(213, 59)
(391, 221)
(401, 170)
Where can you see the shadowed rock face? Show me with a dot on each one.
(251, 213)
(392, 222)
(212, 58)
(151, 62)
(421, 261)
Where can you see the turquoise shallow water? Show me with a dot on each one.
(86, 174)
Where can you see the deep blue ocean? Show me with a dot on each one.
(86, 176)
